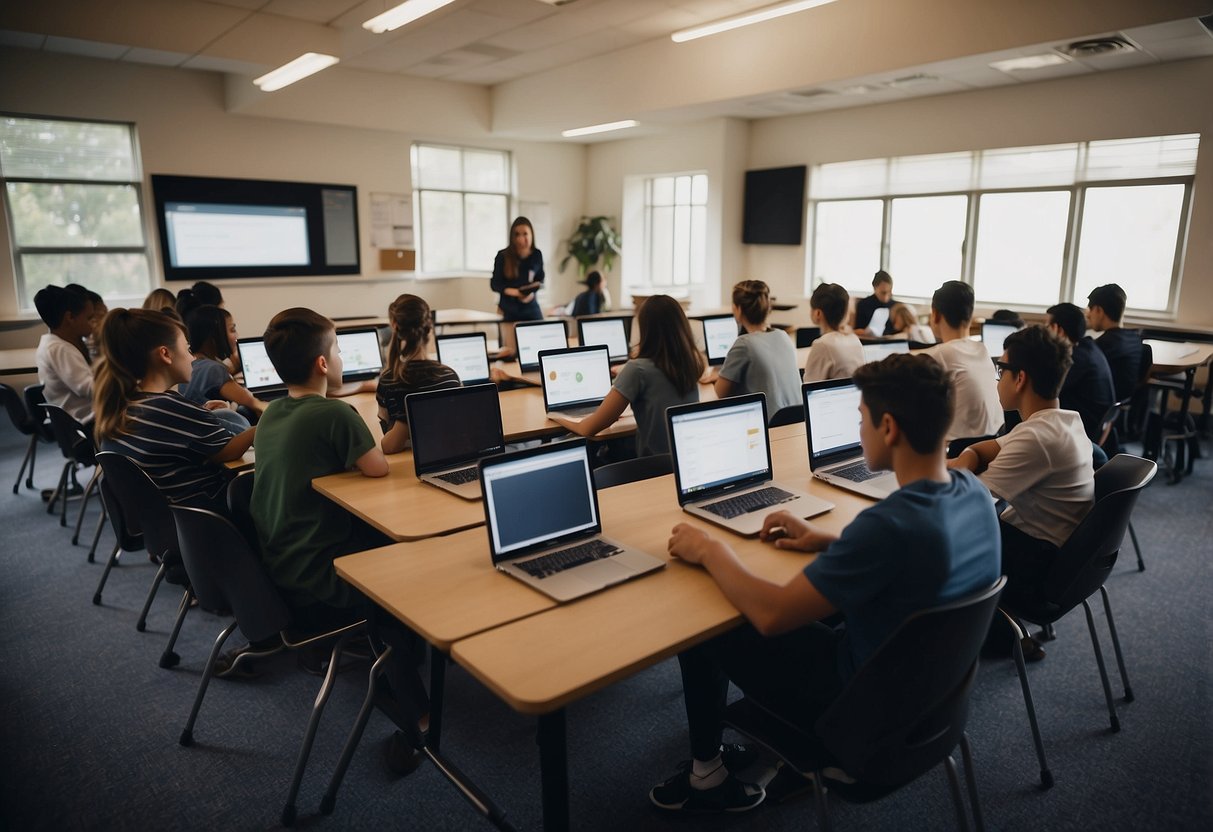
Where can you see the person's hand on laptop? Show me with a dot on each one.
(787, 531)
(691, 544)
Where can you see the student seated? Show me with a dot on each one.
(932, 541)
(92, 341)
(594, 299)
(881, 298)
(212, 333)
(409, 369)
(62, 357)
(161, 300)
(180, 444)
(835, 354)
(762, 359)
(967, 362)
(1006, 316)
(1088, 388)
(664, 372)
(903, 319)
(1122, 347)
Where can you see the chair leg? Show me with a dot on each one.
(949, 766)
(63, 495)
(88, 492)
(351, 744)
(187, 733)
(33, 457)
(1103, 671)
(60, 489)
(966, 753)
(92, 552)
(1141, 566)
(1120, 658)
(1046, 776)
(169, 658)
(106, 574)
(29, 452)
(820, 796)
(141, 624)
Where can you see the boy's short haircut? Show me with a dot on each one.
(1007, 316)
(1110, 298)
(954, 301)
(1043, 355)
(1070, 320)
(881, 277)
(53, 302)
(916, 391)
(833, 301)
(92, 296)
(294, 339)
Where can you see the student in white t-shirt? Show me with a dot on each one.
(978, 412)
(835, 354)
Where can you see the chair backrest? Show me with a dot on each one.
(75, 442)
(905, 708)
(1087, 557)
(239, 507)
(959, 444)
(789, 415)
(16, 410)
(142, 505)
(1109, 419)
(1147, 364)
(35, 397)
(633, 470)
(226, 573)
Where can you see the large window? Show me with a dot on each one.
(1026, 226)
(463, 197)
(73, 200)
(675, 223)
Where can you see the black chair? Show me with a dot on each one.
(1082, 565)
(957, 445)
(76, 445)
(633, 470)
(1105, 432)
(902, 713)
(27, 425)
(790, 415)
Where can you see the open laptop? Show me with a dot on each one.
(260, 377)
(993, 334)
(541, 510)
(466, 354)
(722, 465)
(575, 380)
(534, 336)
(880, 317)
(831, 415)
(451, 430)
(719, 333)
(609, 332)
(361, 356)
(875, 352)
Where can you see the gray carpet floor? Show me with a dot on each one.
(89, 723)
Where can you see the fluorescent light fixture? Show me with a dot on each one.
(768, 13)
(598, 128)
(306, 64)
(402, 15)
(1030, 62)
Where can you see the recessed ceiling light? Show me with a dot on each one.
(768, 13)
(405, 13)
(306, 64)
(598, 128)
(1030, 62)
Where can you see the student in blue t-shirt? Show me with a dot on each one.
(932, 541)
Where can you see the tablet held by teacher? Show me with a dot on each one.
(518, 274)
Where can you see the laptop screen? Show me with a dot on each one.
(576, 376)
(535, 337)
(992, 335)
(259, 372)
(720, 444)
(875, 352)
(832, 417)
(360, 354)
(608, 332)
(719, 333)
(453, 426)
(466, 355)
(538, 497)
(880, 317)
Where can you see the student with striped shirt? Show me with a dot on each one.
(409, 369)
(139, 413)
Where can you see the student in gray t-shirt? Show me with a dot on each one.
(761, 360)
(664, 372)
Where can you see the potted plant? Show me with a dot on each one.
(593, 241)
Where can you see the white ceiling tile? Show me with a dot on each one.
(1120, 60)
(24, 40)
(251, 5)
(1180, 48)
(522, 11)
(213, 64)
(1175, 29)
(315, 11)
(158, 57)
(567, 52)
(88, 48)
(273, 40)
(487, 75)
(570, 22)
(413, 47)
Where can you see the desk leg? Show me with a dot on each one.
(554, 772)
(438, 660)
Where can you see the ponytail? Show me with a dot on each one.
(412, 323)
(753, 298)
(128, 337)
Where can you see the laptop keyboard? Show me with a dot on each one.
(746, 503)
(856, 472)
(461, 476)
(568, 558)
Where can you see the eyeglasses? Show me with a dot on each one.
(1002, 366)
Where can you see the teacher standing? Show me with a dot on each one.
(518, 274)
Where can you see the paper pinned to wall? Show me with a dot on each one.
(391, 220)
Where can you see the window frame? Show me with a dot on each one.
(648, 205)
(418, 190)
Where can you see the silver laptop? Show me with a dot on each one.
(722, 465)
(541, 510)
(719, 333)
(831, 415)
(875, 352)
(466, 354)
(575, 380)
(609, 332)
(361, 355)
(993, 335)
(880, 317)
(451, 430)
(260, 377)
(534, 336)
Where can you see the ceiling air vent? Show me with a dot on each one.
(1098, 47)
(813, 93)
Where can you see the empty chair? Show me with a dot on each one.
(633, 470)
(76, 445)
(901, 714)
(27, 425)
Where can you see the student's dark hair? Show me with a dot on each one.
(207, 294)
(412, 322)
(881, 277)
(1110, 298)
(833, 301)
(294, 339)
(128, 338)
(593, 280)
(207, 329)
(91, 296)
(954, 300)
(753, 298)
(666, 340)
(160, 299)
(916, 391)
(1070, 320)
(510, 266)
(53, 302)
(1007, 316)
(1043, 355)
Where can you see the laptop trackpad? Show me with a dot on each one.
(604, 572)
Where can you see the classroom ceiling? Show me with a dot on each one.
(525, 45)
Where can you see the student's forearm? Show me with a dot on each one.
(236, 446)
(756, 598)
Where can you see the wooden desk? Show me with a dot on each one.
(18, 362)
(465, 316)
(1186, 357)
(1178, 356)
